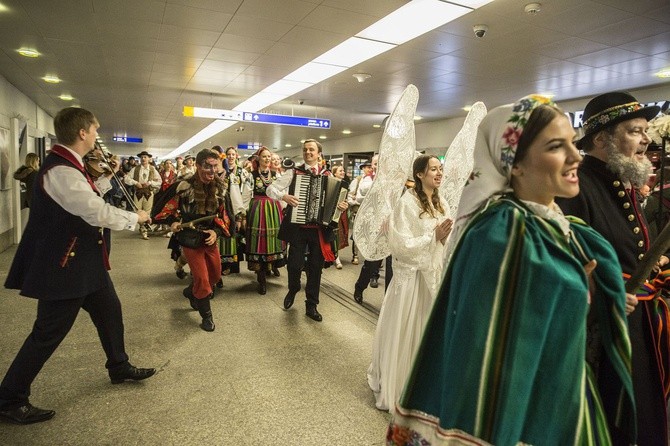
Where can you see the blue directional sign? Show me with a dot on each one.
(297, 121)
(126, 139)
(260, 118)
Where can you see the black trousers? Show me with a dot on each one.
(369, 270)
(54, 321)
(305, 238)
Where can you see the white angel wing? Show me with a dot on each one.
(459, 159)
(394, 167)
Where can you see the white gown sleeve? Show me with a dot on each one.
(412, 238)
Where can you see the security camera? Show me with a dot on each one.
(480, 30)
(301, 101)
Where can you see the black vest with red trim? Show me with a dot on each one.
(60, 256)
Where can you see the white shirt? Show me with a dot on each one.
(145, 174)
(70, 190)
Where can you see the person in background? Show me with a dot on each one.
(62, 261)
(145, 180)
(365, 168)
(342, 233)
(369, 274)
(614, 169)
(276, 164)
(240, 186)
(302, 237)
(187, 169)
(26, 174)
(502, 359)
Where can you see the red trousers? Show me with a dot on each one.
(205, 265)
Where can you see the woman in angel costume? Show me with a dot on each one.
(418, 231)
(413, 228)
(502, 359)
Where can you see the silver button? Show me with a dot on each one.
(631, 217)
(621, 194)
(640, 256)
(640, 243)
(616, 183)
(626, 205)
(636, 230)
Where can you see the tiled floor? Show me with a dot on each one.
(265, 376)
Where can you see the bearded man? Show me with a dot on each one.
(614, 169)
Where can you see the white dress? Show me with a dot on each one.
(417, 271)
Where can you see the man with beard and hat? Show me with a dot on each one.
(614, 169)
(146, 180)
(202, 195)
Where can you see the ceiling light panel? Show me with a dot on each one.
(412, 20)
(353, 51)
(314, 73)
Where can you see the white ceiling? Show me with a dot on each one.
(137, 63)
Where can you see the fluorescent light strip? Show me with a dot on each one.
(389, 32)
(412, 20)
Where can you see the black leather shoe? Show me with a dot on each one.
(188, 293)
(180, 273)
(275, 272)
(262, 289)
(312, 313)
(288, 300)
(374, 283)
(219, 284)
(358, 297)
(27, 414)
(130, 373)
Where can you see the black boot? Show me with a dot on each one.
(262, 285)
(205, 311)
(188, 293)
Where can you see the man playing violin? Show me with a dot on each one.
(62, 261)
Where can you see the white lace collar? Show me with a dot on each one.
(549, 213)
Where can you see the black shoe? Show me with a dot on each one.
(288, 300)
(130, 373)
(312, 313)
(262, 289)
(358, 297)
(27, 414)
(219, 284)
(374, 283)
(180, 273)
(208, 323)
(275, 272)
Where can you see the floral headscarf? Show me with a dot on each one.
(498, 137)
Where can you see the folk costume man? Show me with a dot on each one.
(614, 168)
(315, 238)
(146, 180)
(62, 261)
(202, 195)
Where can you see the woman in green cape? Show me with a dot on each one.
(502, 360)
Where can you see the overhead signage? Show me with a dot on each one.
(260, 118)
(126, 139)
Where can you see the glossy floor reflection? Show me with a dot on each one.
(265, 376)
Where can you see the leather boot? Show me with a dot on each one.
(205, 311)
(262, 284)
(188, 293)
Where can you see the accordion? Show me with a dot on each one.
(318, 197)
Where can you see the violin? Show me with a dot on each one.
(97, 164)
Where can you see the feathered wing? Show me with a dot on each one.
(459, 159)
(394, 167)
